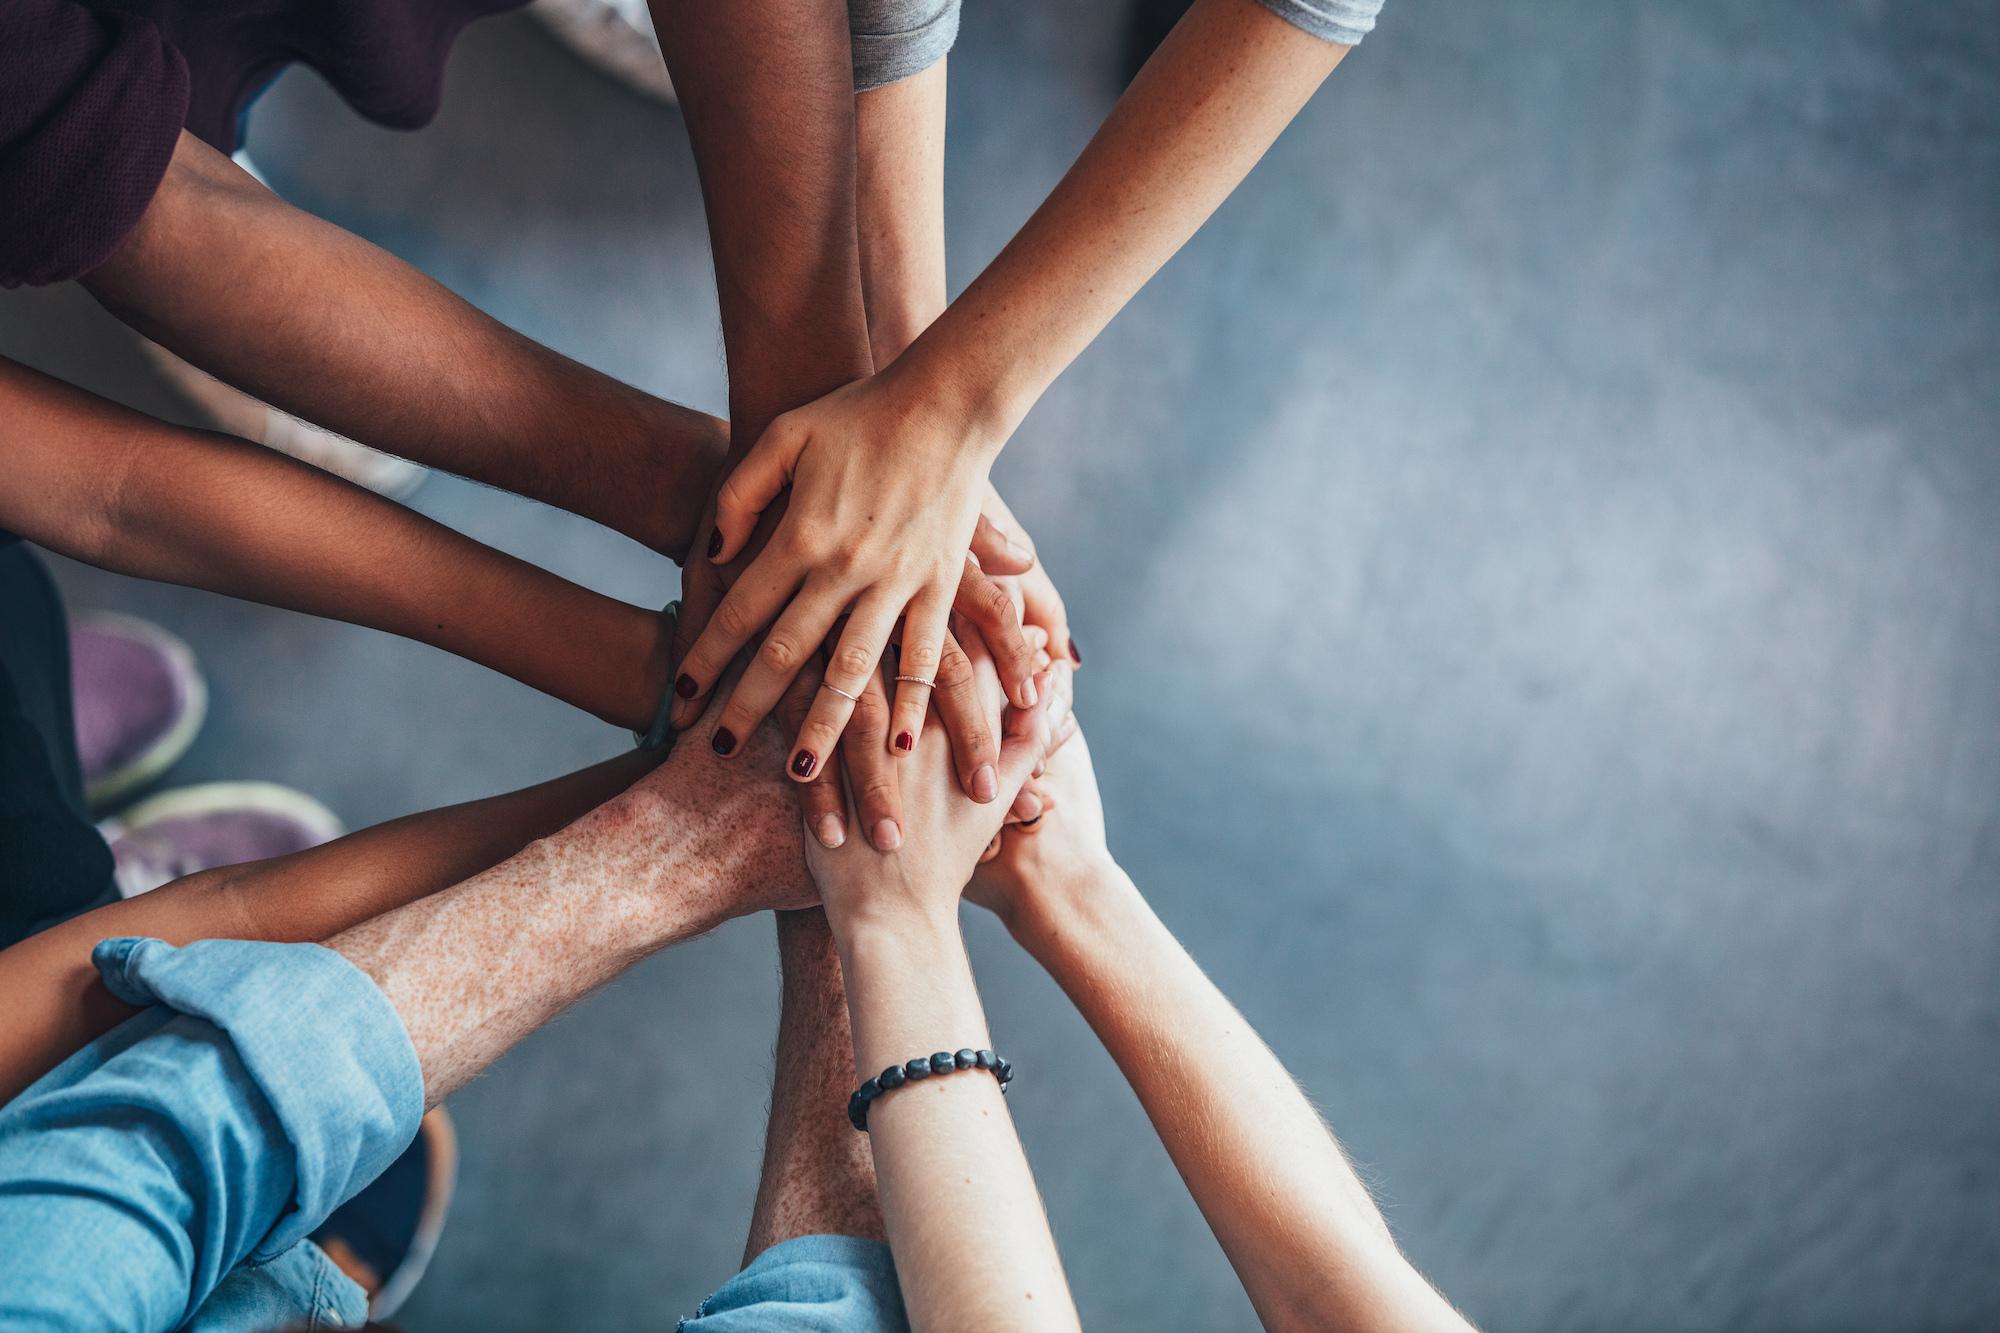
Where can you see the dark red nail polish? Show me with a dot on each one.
(1074, 655)
(802, 763)
(723, 741)
(685, 686)
(905, 741)
(715, 543)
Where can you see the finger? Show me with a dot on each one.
(759, 595)
(963, 716)
(788, 648)
(872, 772)
(848, 670)
(999, 551)
(1027, 806)
(917, 665)
(1043, 605)
(821, 801)
(1023, 743)
(702, 589)
(751, 486)
(986, 604)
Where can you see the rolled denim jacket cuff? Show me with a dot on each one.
(317, 1036)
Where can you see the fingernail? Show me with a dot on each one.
(802, 763)
(905, 741)
(887, 836)
(715, 543)
(723, 741)
(832, 831)
(1075, 655)
(985, 783)
(1020, 552)
(1028, 695)
(685, 687)
(1030, 803)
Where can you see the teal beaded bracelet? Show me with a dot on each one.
(944, 1062)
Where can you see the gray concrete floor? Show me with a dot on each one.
(1536, 554)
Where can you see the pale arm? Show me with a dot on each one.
(958, 1196)
(1202, 111)
(57, 1003)
(1305, 1238)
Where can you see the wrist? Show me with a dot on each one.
(887, 925)
(694, 851)
(1076, 905)
(982, 407)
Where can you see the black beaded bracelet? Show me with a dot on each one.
(944, 1062)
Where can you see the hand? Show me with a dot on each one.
(748, 804)
(1031, 872)
(945, 834)
(884, 499)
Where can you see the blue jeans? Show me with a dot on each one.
(167, 1175)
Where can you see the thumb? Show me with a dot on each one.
(1024, 741)
(999, 551)
(751, 487)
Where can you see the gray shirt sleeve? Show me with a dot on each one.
(894, 39)
(1343, 21)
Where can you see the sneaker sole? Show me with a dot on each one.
(151, 764)
(206, 797)
(442, 1181)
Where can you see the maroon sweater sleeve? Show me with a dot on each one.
(91, 105)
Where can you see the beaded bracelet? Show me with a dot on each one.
(944, 1062)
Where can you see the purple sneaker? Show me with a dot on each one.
(191, 829)
(384, 1237)
(138, 699)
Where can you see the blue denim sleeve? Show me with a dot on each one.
(264, 1085)
(894, 39)
(809, 1284)
(1343, 21)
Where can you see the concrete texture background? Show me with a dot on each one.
(1536, 552)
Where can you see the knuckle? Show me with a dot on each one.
(802, 539)
(954, 670)
(733, 618)
(780, 654)
(853, 662)
(845, 559)
(920, 658)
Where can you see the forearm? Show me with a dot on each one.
(477, 967)
(1201, 113)
(1308, 1243)
(899, 139)
(117, 489)
(766, 89)
(58, 1004)
(326, 326)
(957, 1194)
